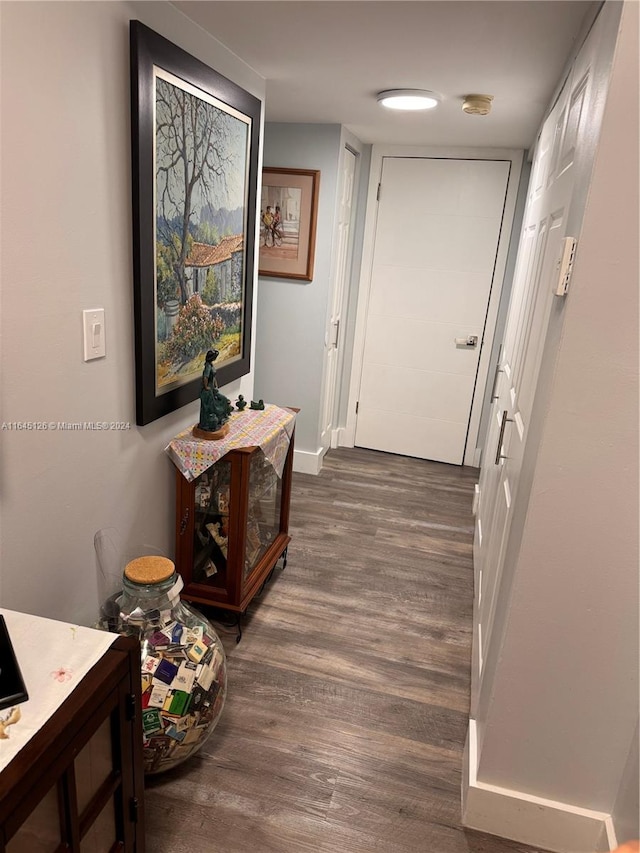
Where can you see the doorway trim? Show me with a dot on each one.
(340, 268)
(378, 153)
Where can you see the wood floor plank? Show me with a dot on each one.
(348, 695)
(306, 702)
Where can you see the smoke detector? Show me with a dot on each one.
(477, 105)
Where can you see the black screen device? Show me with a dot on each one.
(12, 687)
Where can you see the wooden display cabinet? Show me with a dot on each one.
(232, 526)
(77, 785)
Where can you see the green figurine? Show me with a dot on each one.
(241, 403)
(259, 406)
(215, 408)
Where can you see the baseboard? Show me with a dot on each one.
(552, 825)
(609, 838)
(346, 437)
(305, 462)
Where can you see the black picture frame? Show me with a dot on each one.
(228, 106)
(12, 686)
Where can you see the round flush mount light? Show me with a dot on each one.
(408, 99)
(477, 105)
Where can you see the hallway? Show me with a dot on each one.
(349, 692)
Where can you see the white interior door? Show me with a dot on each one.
(560, 173)
(436, 242)
(333, 337)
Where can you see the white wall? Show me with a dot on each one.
(292, 314)
(66, 246)
(562, 709)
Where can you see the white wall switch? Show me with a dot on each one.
(93, 333)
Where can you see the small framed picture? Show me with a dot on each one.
(223, 500)
(204, 496)
(288, 215)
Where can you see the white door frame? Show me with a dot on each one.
(339, 292)
(377, 154)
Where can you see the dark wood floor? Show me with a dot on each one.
(349, 692)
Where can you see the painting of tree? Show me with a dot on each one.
(195, 140)
(201, 161)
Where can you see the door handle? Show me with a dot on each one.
(469, 341)
(505, 421)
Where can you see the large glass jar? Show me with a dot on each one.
(183, 664)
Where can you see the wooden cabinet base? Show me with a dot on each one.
(78, 783)
(210, 436)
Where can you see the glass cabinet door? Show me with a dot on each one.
(41, 832)
(263, 513)
(212, 496)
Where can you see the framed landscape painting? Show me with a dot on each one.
(195, 137)
(288, 214)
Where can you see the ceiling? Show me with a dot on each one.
(325, 61)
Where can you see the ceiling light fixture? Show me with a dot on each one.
(408, 99)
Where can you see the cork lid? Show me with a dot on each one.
(149, 569)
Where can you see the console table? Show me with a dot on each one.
(71, 775)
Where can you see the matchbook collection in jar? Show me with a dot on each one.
(183, 666)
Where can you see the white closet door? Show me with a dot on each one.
(557, 178)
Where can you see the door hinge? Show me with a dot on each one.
(130, 706)
(335, 333)
(378, 193)
(357, 404)
(565, 265)
(134, 807)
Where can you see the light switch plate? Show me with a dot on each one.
(93, 333)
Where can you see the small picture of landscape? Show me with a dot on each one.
(201, 178)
